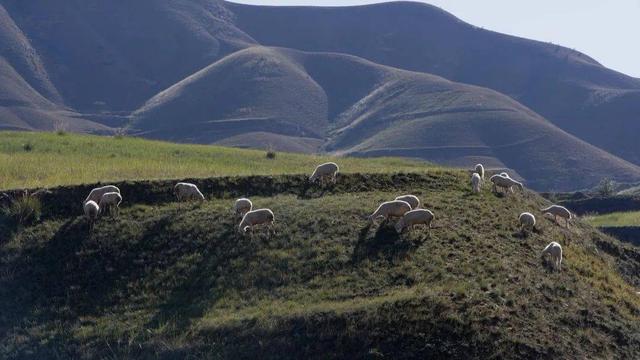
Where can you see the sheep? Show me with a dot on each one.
(507, 183)
(242, 206)
(476, 182)
(91, 211)
(479, 169)
(395, 208)
(527, 221)
(555, 250)
(110, 201)
(413, 200)
(96, 194)
(323, 171)
(557, 210)
(256, 217)
(415, 217)
(187, 191)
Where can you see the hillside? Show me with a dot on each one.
(364, 80)
(35, 160)
(170, 281)
(382, 111)
(569, 88)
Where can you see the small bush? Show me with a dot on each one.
(607, 187)
(28, 147)
(61, 132)
(271, 154)
(24, 210)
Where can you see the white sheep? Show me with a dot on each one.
(187, 191)
(413, 200)
(476, 182)
(527, 221)
(506, 183)
(395, 208)
(96, 194)
(324, 171)
(479, 169)
(91, 211)
(555, 251)
(242, 206)
(415, 217)
(110, 201)
(558, 211)
(256, 217)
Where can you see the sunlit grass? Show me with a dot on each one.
(53, 159)
(617, 219)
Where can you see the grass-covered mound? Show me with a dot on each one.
(169, 280)
(30, 159)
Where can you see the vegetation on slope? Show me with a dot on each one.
(49, 159)
(616, 219)
(170, 280)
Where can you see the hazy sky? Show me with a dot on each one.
(608, 31)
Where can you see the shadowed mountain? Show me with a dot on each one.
(570, 89)
(282, 97)
(348, 80)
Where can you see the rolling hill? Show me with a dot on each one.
(567, 87)
(366, 80)
(174, 281)
(356, 107)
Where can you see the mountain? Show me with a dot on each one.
(570, 89)
(367, 109)
(390, 79)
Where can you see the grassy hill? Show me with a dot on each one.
(616, 219)
(53, 159)
(172, 281)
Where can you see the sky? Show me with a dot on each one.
(608, 31)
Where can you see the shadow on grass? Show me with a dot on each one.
(386, 244)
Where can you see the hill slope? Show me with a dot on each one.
(354, 106)
(199, 71)
(570, 89)
(35, 160)
(172, 281)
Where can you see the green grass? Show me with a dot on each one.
(174, 281)
(617, 219)
(30, 160)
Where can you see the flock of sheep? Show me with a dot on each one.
(405, 208)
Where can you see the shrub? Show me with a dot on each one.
(24, 210)
(271, 154)
(606, 187)
(27, 147)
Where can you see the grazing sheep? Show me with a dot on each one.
(110, 201)
(242, 206)
(395, 208)
(476, 182)
(413, 200)
(555, 250)
(506, 183)
(256, 217)
(557, 210)
(96, 194)
(187, 191)
(91, 211)
(323, 171)
(415, 217)
(527, 221)
(479, 169)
